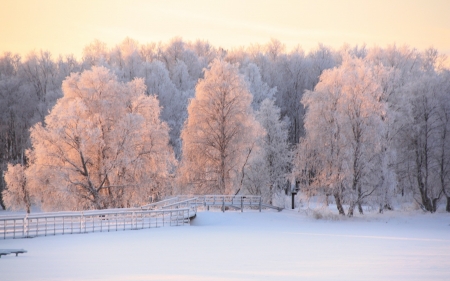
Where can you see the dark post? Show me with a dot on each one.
(294, 191)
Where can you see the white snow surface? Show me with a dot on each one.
(287, 245)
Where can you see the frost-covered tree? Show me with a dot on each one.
(95, 54)
(125, 60)
(220, 131)
(391, 118)
(19, 110)
(341, 150)
(30, 87)
(102, 145)
(258, 88)
(173, 101)
(442, 155)
(292, 83)
(181, 78)
(267, 171)
(17, 195)
(423, 159)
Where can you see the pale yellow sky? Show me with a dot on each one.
(66, 26)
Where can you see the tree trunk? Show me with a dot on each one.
(360, 209)
(222, 176)
(434, 203)
(270, 193)
(2, 187)
(337, 198)
(26, 196)
(351, 209)
(2, 204)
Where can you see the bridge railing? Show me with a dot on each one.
(187, 203)
(162, 203)
(236, 201)
(91, 221)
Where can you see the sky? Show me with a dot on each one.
(66, 27)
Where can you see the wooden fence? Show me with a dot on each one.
(91, 221)
(174, 211)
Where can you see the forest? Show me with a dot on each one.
(355, 126)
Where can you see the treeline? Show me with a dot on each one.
(375, 125)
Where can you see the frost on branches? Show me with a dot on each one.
(268, 169)
(340, 154)
(102, 146)
(17, 195)
(220, 132)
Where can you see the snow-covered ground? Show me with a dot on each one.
(288, 245)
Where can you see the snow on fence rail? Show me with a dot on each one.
(222, 201)
(162, 203)
(91, 221)
(173, 203)
(188, 201)
(173, 211)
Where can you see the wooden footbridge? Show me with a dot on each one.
(176, 211)
(224, 202)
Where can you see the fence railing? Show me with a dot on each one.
(162, 203)
(186, 203)
(91, 221)
(173, 211)
(223, 201)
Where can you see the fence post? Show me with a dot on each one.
(25, 226)
(260, 203)
(223, 204)
(242, 204)
(83, 223)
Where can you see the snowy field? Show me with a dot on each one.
(246, 246)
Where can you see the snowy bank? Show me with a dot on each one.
(270, 245)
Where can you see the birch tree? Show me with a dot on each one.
(259, 89)
(341, 151)
(17, 195)
(424, 141)
(220, 131)
(268, 168)
(443, 139)
(102, 145)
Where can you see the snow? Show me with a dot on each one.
(287, 245)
